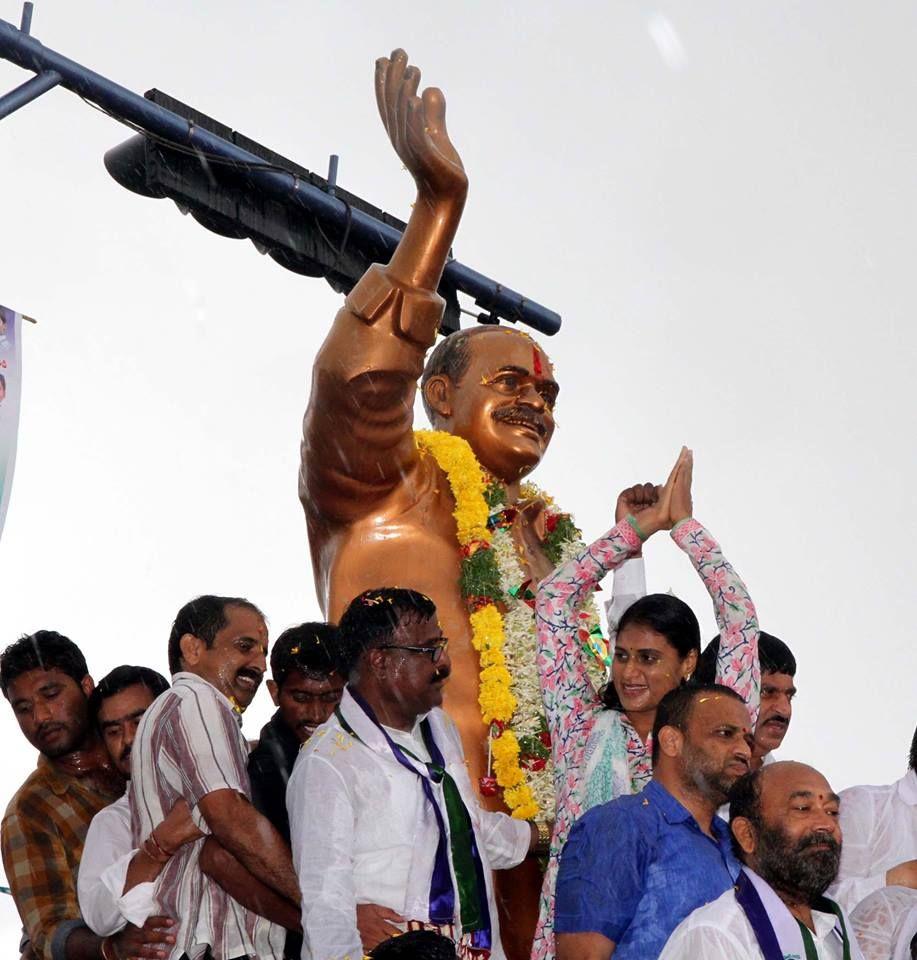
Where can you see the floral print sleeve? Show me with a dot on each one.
(737, 663)
(570, 700)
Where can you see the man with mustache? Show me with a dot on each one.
(115, 880)
(778, 689)
(784, 821)
(45, 679)
(634, 868)
(189, 745)
(402, 842)
(305, 688)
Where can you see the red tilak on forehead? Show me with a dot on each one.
(536, 361)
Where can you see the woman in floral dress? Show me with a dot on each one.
(600, 741)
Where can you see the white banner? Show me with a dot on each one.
(10, 384)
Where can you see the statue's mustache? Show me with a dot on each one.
(520, 414)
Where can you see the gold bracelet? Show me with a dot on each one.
(544, 833)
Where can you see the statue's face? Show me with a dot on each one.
(504, 404)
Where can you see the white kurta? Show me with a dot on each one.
(879, 825)
(720, 929)
(107, 854)
(886, 922)
(363, 832)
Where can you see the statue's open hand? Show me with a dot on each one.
(416, 125)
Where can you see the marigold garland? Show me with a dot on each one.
(491, 575)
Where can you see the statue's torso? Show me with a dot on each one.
(409, 540)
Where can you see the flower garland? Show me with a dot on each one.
(501, 608)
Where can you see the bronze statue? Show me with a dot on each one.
(379, 513)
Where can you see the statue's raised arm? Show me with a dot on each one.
(380, 513)
(357, 434)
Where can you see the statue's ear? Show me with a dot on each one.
(437, 392)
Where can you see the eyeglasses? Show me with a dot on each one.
(513, 384)
(434, 651)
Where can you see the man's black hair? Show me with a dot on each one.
(773, 655)
(912, 765)
(203, 618)
(666, 615)
(120, 679)
(675, 707)
(415, 945)
(42, 650)
(450, 357)
(372, 618)
(311, 648)
(745, 801)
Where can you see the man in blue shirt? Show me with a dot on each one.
(634, 868)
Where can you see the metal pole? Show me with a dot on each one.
(25, 24)
(123, 104)
(28, 91)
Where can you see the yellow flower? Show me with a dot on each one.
(487, 628)
(492, 658)
(466, 479)
(488, 636)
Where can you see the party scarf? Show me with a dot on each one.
(459, 839)
(779, 934)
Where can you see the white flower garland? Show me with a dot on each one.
(521, 649)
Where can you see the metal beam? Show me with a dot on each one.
(28, 91)
(124, 105)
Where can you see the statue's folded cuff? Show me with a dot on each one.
(415, 314)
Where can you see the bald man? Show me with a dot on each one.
(784, 823)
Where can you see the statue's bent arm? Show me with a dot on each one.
(358, 445)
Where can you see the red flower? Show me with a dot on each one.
(488, 786)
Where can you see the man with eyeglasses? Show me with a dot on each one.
(402, 843)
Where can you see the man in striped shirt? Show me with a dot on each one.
(189, 745)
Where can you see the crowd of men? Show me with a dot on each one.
(151, 828)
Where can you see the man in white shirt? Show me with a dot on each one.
(880, 837)
(117, 703)
(385, 826)
(784, 822)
